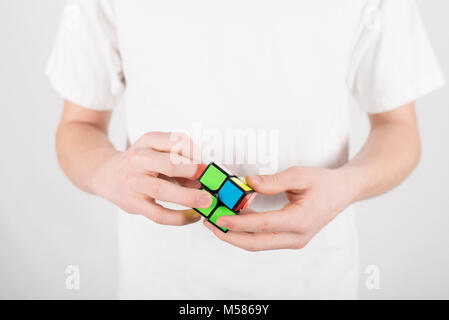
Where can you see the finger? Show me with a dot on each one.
(171, 142)
(194, 184)
(161, 215)
(258, 241)
(167, 191)
(270, 221)
(275, 183)
(160, 162)
(247, 211)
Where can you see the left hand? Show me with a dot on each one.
(315, 195)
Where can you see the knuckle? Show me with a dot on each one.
(188, 199)
(297, 245)
(182, 221)
(154, 189)
(193, 196)
(265, 225)
(133, 154)
(156, 217)
(301, 227)
(143, 138)
(148, 135)
(275, 179)
(128, 205)
(170, 167)
(184, 143)
(250, 248)
(183, 136)
(297, 170)
(177, 137)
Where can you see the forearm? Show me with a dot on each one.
(390, 154)
(82, 148)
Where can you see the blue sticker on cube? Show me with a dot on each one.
(230, 194)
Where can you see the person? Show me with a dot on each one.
(282, 74)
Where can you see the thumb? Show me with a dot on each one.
(275, 183)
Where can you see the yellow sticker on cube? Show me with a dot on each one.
(241, 184)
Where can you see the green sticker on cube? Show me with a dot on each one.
(206, 212)
(213, 178)
(221, 212)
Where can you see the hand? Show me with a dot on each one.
(315, 197)
(136, 178)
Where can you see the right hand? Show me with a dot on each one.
(136, 178)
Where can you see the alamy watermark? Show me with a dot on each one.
(229, 146)
(72, 281)
(372, 280)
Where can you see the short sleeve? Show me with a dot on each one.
(392, 62)
(85, 65)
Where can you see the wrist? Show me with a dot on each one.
(101, 176)
(349, 178)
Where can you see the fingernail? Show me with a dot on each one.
(205, 200)
(254, 179)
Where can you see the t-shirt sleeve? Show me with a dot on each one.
(392, 62)
(85, 65)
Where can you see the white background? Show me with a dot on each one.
(46, 224)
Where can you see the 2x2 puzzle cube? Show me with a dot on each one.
(230, 194)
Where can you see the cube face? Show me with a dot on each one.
(213, 178)
(230, 194)
(206, 212)
(220, 212)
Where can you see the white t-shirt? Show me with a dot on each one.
(282, 69)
